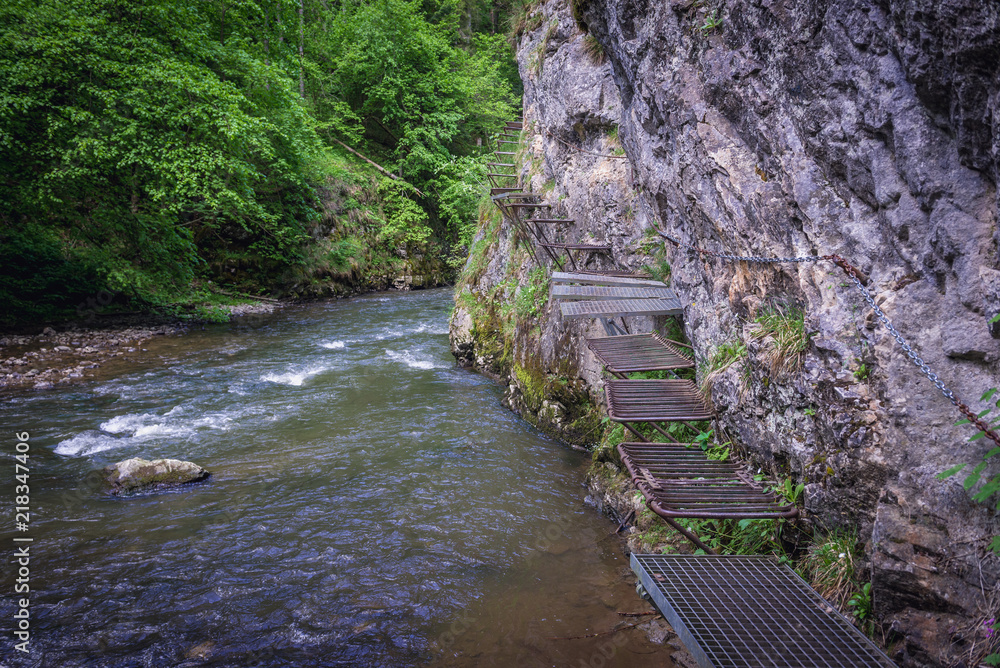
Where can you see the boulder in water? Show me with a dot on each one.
(142, 475)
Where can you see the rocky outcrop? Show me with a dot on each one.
(136, 476)
(865, 128)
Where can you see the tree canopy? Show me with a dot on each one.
(144, 139)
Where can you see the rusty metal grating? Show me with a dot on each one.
(638, 352)
(620, 307)
(578, 292)
(656, 401)
(678, 480)
(750, 612)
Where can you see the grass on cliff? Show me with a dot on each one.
(726, 354)
(782, 330)
(594, 49)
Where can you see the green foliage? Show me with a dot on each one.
(789, 491)
(659, 269)
(829, 566)
(725, 355)
(712, 22)
(460, 184)
(36, 276)
(861, 603)
(531, 297)
(400, 78)
(148, 145)
(985, 491)
(405, 221)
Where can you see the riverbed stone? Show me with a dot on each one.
(143, 475)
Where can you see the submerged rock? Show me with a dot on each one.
(142, 475)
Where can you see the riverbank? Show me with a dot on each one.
(71, 352)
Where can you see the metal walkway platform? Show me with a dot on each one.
(656, 401)
(582, 292)
(750, 612)
(609, 278)
(620, 307)
(639, 352)
(526, 205)
(680, 481)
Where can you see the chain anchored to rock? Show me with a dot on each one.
(855, 275)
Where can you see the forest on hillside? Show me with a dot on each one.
(152, 148)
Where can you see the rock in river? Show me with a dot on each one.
(142, 475)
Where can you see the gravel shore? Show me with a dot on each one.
(63, 355)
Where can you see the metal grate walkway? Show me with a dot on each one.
(620, 307)
(749, 612)
(679, 480)
(656, 401)
(582, 292)
(608, 278)
(639, 352)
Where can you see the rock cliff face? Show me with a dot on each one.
(866, 128)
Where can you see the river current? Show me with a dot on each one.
(371, 504)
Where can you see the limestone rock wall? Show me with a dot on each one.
(866, 128)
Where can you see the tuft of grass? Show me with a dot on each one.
(830, 568)
(783, 331)
(594, 50)
(531, 297)
(726, 354)
(659, 269)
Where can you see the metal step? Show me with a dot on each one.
(620, 307)
(583, 247)
(639, 352)
(598, 279)
(656, 400)
(750, 611)
(579, 292)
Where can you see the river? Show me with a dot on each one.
(371, 504)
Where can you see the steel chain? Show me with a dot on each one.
(854, 274)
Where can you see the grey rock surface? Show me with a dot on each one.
(136, 475)
(861, 128)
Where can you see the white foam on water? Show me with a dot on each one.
(429, 329)
(293, 378)
(127, 423)
(410, 361)
(333, 345)
(133, 428)
(89, 443)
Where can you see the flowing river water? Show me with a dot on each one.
(371, 504)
